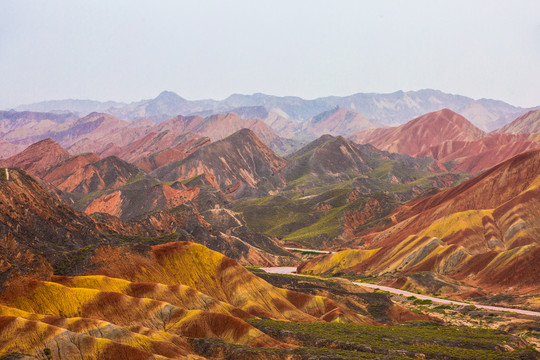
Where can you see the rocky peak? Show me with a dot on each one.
(169, 97)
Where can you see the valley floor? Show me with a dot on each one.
(292, 271)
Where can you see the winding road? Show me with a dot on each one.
(292, 271)
(309, 250)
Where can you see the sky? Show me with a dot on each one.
(132, 50)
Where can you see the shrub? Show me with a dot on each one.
(422, 302)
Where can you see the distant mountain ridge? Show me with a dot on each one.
(390, 109)
(105, 134)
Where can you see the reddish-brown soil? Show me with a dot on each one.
(38, 157)
(421, 133)
(455, 143)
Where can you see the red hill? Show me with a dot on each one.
(240, 163)
(479, 155)
(452, 140)
(421, 133)
(38, 158)
(157, 149)
(58, 174)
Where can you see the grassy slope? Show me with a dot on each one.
(407, 341)
(292, 216)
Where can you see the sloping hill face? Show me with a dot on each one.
(85, 315)
(179, 124)
(484, 232)
(63, 341)
(241, 165)
(421, 133)
(157, 149)
(139, 198)
(527, 123)
(105, 142)
(38, 158)
(338, 121)
(35, 223)
(94, 126)
(125, 312)
(275, 118)
(327, 156)
(186, 223)
(479, 155)
(89, 183)
(454, 142)
(92, 133)
(334, 185)
(217, 276)
(103, 174)
(37, 226)
(8, 149)
(28, 127)
(114, 187)
(335, 158)
(222, 125)
(219, 126)
(58, 174)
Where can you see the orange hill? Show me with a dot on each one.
(145, 319)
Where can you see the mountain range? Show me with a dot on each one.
(389, 109)
(175, 229)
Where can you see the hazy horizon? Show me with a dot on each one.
(129, 51)
(224, 98)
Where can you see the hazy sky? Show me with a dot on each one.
(132, 50)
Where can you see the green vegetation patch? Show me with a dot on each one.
(409, 340)
(71, 261)
(292, 216)
(422, 302)
(311, 209)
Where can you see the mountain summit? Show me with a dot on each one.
(38, 158)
